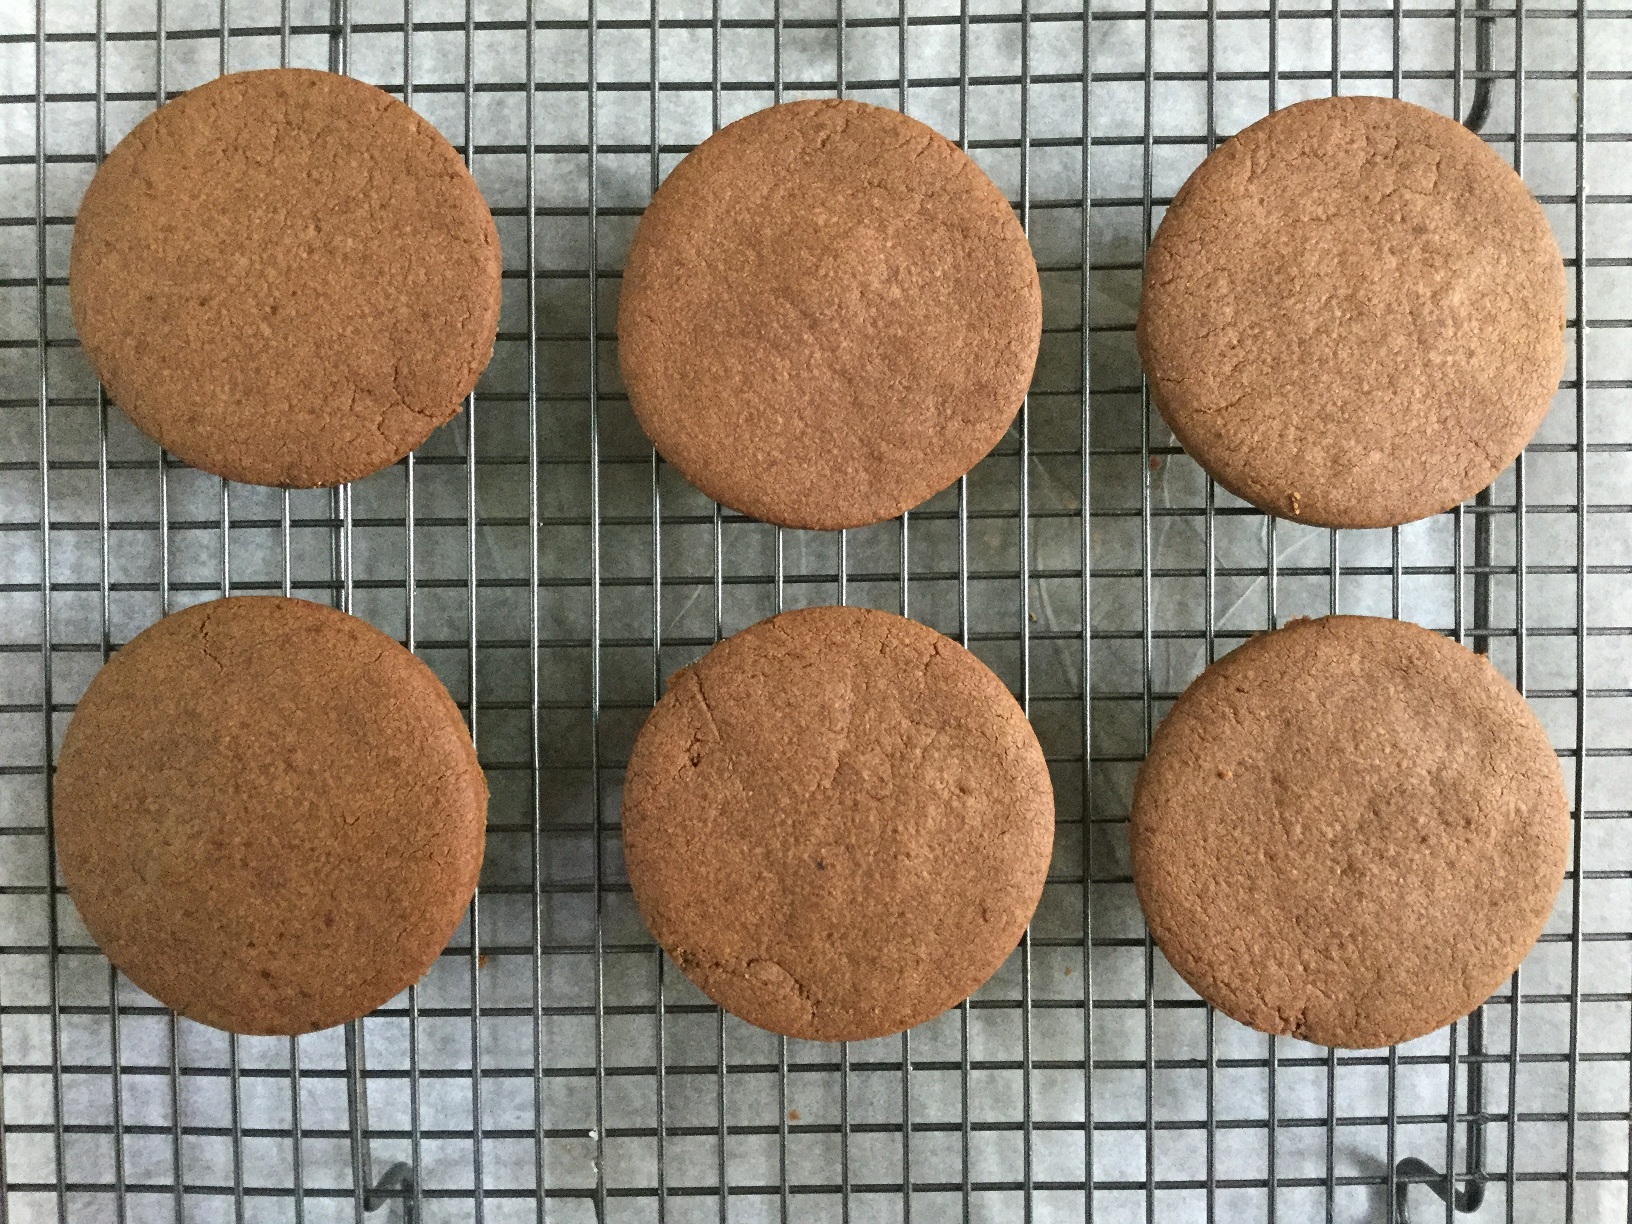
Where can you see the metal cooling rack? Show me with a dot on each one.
(554, 572)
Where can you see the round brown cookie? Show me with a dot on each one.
(829, 314)
(286, 277)
(837, 823)
(1353, 313)
(269, 814)
(1350, 830)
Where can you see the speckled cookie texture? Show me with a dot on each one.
(1353, 313)
(838, 823)
(829, 314)
(1350, 830)
(269, 814)
(286, 277)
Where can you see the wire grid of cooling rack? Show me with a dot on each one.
(554, 572)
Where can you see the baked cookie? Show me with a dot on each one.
(829, 314)
(837, 822)
(269, 814)
(1353, 313)
(286, 277)
(1350, 830)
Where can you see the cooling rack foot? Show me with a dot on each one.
(1420, 1172)
(397, 1182)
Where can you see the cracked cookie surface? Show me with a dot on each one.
(828, 314)
(269, 814)
(286, 277)
(837, 822)
(1350, 830)
(1353, 313)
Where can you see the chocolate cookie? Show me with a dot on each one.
(837, 823)
(286, 277)
(269, 814)
(1353, 313)
(829, 314)
(1350, 830)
